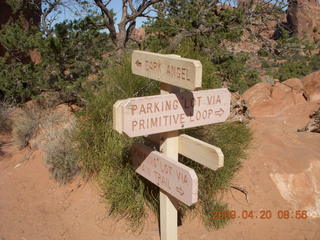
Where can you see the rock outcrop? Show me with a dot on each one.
(311, 84)
(314, 124)
(304, 18)
(266, 99)
(138, 34)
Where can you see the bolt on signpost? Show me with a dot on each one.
(160, 117)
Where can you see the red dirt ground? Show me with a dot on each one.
(34, 207)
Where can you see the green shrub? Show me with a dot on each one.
(20, 79)
(105, 153)
(178, 30)
(235, 74)
(223, 68)
(68, 56)
(265, 64)
(315, 62)
(233, 138)
(263, 52)
(210, 72)
(293, 69)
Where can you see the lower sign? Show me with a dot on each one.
(162, 113)
(171, 176)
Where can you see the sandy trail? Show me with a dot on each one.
(33, 206)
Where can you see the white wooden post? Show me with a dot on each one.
(168, 211)
(142, 116)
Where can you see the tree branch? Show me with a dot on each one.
(109, 19)
(143, 6)
(45, 14)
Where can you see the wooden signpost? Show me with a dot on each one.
(162, 113)
(171, 69)
(173, 177)
(160, 117)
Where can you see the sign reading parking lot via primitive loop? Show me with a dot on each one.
(162, 113)
(173, 177)
(171, 69)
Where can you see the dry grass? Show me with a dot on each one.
(58, 145)
(50, 129)
(59, 156)
(5, 121)
(26, 125)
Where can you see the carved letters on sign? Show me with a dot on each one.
(173, 177)
(172, 69)
(163, 113)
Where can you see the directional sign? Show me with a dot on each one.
(162, 113)
(199, 151)
(204, 153)
(173, 177)
(172, 69)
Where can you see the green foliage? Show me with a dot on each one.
(200, 35)
(74, 52)
(106, 154)
(298, 58)
(226, 68)
(209, 25)
(233, 71)
(210, 77)
(263, 52)
(233, 139)
(315, 62)
(293, 69)
(209, 210)
(298, 67)
(287, 45)
(68, 56)
(15, 4)
(265, 64)
(19, 78)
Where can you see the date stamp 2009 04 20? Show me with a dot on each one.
(260, 214)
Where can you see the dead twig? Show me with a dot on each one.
(241, 189)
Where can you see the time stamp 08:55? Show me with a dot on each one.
(260, 214)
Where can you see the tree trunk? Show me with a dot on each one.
(121, 40)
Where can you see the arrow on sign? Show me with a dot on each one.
(163, 113)
(220, 112)
(171, 176)
(180, 190)
(138, 63)
(172, 69)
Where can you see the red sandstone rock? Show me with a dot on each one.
(295, 83)
(35, 56)
(304, 18)
(260, 92)
(263, 99)
(138, 34)
(311, 84)
(280, 92)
